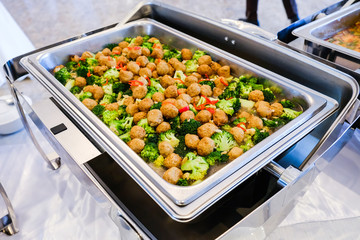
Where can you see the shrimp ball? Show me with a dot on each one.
(187, 115)
(205, 146)
(158, 97)
(256, 95)
(186, 54)
(100, 70)
(172, 175)
(134, 52)
(197, 75)
(169, 111)
(137, 145)
(181, 91)
(132, 109)
(163, 127)
(123, 44)
(194, 89)
(87, 54)
(106, 52)
(165, 148)
(138, 41)
(89, 103)
(139, 92)
(151, 66)
(171, 92)
(195, 100)
(157, 53)
(191, 140)
(217, 91)
(235, 152)
(154, 117)
(145, 51)
(207, 130)
(203, 116)
(137, 132)
(220, 117)
(263, 108)
(74, 58)
(172, 160)
(179, 66)
(145, 104)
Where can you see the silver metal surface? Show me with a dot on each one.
(316, 33)
(316, 107)
(8, 223)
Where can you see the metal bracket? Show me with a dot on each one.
(8, 223)
(285, 176)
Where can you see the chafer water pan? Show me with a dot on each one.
(316, 33)
(181, 203)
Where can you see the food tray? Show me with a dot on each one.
(181, 203)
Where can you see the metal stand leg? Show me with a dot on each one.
(8, 223)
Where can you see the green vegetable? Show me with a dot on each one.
(183, 182)
(111, 46)
(189, 126)
(75, 90)
(112, 75)
(169, 136)
(125, 137)
(72, 66)
(150, 152)
(151, 91)
(83, 95)
(230, 106)
(62, 75)
(268, 95)
(145, 125)
(191, 66)
(93, 79)
(210, 83)
(248, 143)
(91, 62)
(155, 83)
(83, 71)
(159, 161)
(247, 103)
(275, 122)
(120, 87)
(239, 120)
(151, 138)
(98, 110)
(175, 123)
(224, 141)
(289, 114)
(107, 99)
(216, 157)
(108, 116)
(259, 136)
(198, 54)
(181, 149)
(287, 104)
(196, 165)
(174, 53)
(156, 106)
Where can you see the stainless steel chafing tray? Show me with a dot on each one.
(316, 33)
(181, 203)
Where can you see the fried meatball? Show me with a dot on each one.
(238, 134)
(139, 92)
(179, 66)
(217, 91)
(74, 58)
(145, 72)
(57, 68)
(137, 132)
(116, 50)
(263, 109)
(143, 80)
(132, 109)
(125, 76)
(191, 140)
(256, 95)
(86, 55)
(182, 91)
(195, 100)
(106, 52)
(165, 148)
(121, 60)
(254, 122)
(112, 106)
(277, 109)
(138, 116)
(215, 66)
(172, 160)
(235, 152)
(180, 104)
(224, 71)
(203, 116)
(190, 80)
(187, 115)
(134, 52)
(145, 51)
(151, 66)
(138, 41)
(206, 90)
(207, 130)
(89, 103)
(204, 70)
(80, 82)
(154, 74)
(163, 127)
(220, 117)
(142, 60)
(244, 114)
(186, 54)
(197, 75)
(162, 68)
(205, 146)
(172, 175)
(193, 90)
(133, 67)
(145, 104)
(123, 44)
(154, 117)
(136, 144)
(157, 53)
(171, 92)
(97, 91)
(158, 97)
(219, 83)
(100, 70)
(206, 59)
(128, 101)
(167, 81)
(107, 61)
(185, 97)
(169, 110)
(169, 100)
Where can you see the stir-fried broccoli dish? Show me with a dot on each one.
(179, 110)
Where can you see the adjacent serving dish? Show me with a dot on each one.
(181, 203)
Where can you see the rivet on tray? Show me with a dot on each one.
(226, 38)
(233, 42)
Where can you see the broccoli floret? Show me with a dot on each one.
(169, 136)
(150, 92)
(70, 84)
(146, 38)
(183, 182)
(268, 95)
(224, 141)
(72, 66)
(239, 121)
(122, 112)
(111, 46)
(230, 106)
(217, 157)
(174, 53)
(175, 123)
(151, 59)
(232, 90)
(83, 71)
(126, 123)
(275, 122)
(159, 161)
(191, 66)
(157, 85)
(226, 127)
(75, 90)
(196, 165)
(151, 138)
(82, 95)
(244, 90)
(156, 106)
(248, 143)
(91, 62)
(181, 149)
(128, 39)
(62, 75)
(107, 99)
(198, 54)
(145, 125)
(289, 114)
(208, 82)
(189, 126)
(112, 75)
(98, 110)
(108, 116)
(150, 152)
(287, 104)
(115, 127)
(148, 45)
(125, 137)
(180, 75)
(93, 79)
(120, 87)
(259, 136)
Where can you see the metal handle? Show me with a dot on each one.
(8, 223)
(126, 229)
(53, 161)
(285, 176)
